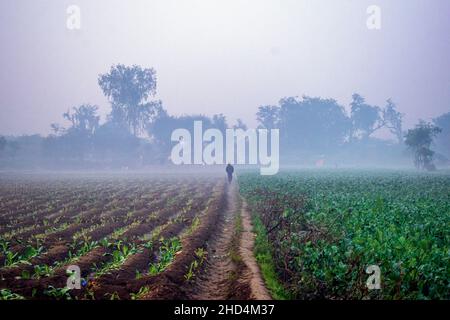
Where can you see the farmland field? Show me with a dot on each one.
(188, 236)
(325, 227)
(133, 236)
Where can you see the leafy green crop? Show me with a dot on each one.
(6, 294)
(15, 258)
(58, 293)
(167, 251)
(326, 227)
(118, 256)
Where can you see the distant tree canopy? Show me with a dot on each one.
(393, 119)
(240, 125)
(114, 143)
(268, 117)
(314, 124)
(162, 127)
(138, 130)
(365, 118)
(84, 119)
(419, 141)
(443, 139)
(2, 144)
(129, 90)
(321, 125)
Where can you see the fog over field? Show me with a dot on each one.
(103, 84)
(224, 150)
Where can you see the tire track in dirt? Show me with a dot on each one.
(231, 271)
(252, 273)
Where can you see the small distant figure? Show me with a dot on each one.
(320, 163)
(229, 171)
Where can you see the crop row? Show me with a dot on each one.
(326, 227)
(125, 235)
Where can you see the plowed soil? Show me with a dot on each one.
(64, 214)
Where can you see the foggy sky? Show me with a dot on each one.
(223, 56)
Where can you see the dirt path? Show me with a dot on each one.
(253, 275)
(231, 271)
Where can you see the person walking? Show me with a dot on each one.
(229, 171)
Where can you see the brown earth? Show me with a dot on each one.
(207, 214)
(232, 271)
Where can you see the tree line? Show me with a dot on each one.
(138, 129)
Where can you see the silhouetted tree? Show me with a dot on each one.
(75, 142)
(313, 124)
(268, 117)
(115, 145)
(366, 119)
(219, 121)
(2, 144)
(14, 147)
(393, 120)
(84, 119)
(162, 127)
(164, 124)
(419, 141)
(57, 129)
(443, 139)
(240, 125)
(128, 89)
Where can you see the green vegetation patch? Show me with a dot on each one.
(263, 254)
(327, 226)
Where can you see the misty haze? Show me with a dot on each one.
(224, 150)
